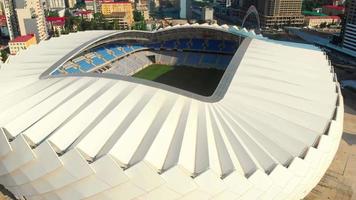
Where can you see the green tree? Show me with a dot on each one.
(116, 25)
(323, 25)
(50, 13)
(137, 15)
(4, 55)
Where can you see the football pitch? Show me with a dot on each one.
(196, 80)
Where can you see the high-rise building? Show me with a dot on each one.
(349, 29)
(121, 11)
(31, 18)
(71, 3)
(11, 18)
(277, 12)
(185, 9)
(56, 4)
(25, 17)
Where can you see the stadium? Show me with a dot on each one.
(190, 112)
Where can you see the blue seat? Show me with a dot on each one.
(224, 61)
(170, 44)
(84, 65)
(104, 53)
(127, 49)
(229, 46)
(97, 61)
(214, 45)
(136, 46)
(154, 45)
(183, 44)
(180, 58)
(116, 51)
(193, 59)
(197, 44)
(209, 59)
(72, 70)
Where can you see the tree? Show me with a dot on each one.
(53, 13)
(79, 5)
(137, 15)
(323, 25)
(68, 20)
(4, 55)
(116, 25)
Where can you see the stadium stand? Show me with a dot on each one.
(105, 54)
(183, 44)
(229, 47)
(84, 65)
(97, 61)
(214, 45)
(170, 44)
(131, 57)
(193, 59)
(197, 44)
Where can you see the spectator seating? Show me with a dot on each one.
(84, 65)
(183, 44)
(170, 44)
(97, 61)
(209, 59)
(105, 54)
(229, 47)
(197, 44)
(193, 59)
(214, 45)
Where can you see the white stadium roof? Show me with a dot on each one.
(270, 130)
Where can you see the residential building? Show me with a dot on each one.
(56, 4)
(21, 42)
(31, 18)
(207, 13)
(349, 29)
(314, 21)
(333, 10)
(11, 18)
(122, 11)
(3, 26)
(71, 3)
(276, 12)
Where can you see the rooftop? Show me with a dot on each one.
(23, 38)
(323, 17)
(334, 7)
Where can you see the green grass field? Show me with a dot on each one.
(199, 81)
(154, 71)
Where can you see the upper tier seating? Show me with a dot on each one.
(170, 44)
(197, 44)
(105, 54)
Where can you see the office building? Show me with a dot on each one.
(349, 29)
(21, 42)
(277, 12)
(185, 11)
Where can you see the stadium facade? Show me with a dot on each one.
(269, 130)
